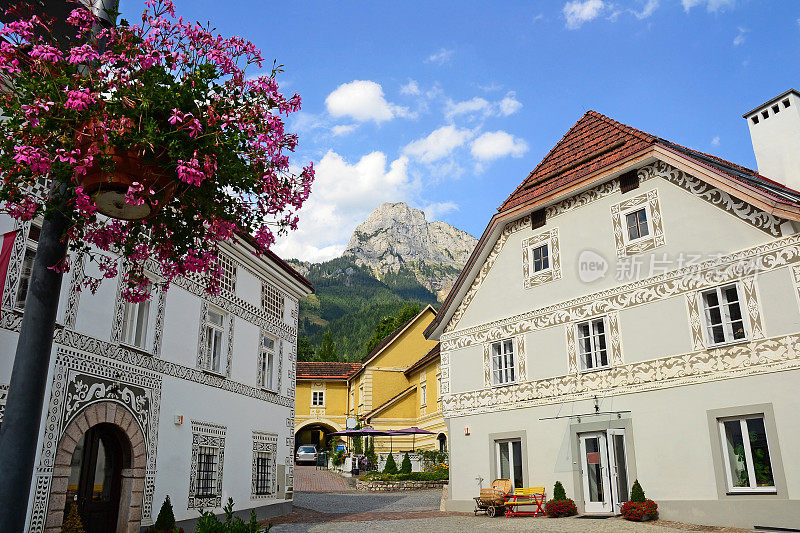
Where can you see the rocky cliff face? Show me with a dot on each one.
(397, 236)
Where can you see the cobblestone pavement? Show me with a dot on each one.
(310, 479)
(417, 511)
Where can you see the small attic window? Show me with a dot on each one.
(765, 114)
(754, 118)
(786, 103)
(776, 109)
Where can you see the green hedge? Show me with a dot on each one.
(439, 475)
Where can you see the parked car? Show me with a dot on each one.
(306, 454)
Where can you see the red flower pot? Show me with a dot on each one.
(108, 189)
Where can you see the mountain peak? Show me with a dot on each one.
(396, 235)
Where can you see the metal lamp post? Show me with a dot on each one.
(22, 419)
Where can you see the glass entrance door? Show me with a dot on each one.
(604, 467)
(596, 482)
(509, 461)
(618, 468)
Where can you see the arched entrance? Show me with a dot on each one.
(100, 467)
(95, 476)
(442, 438)
(315, 433)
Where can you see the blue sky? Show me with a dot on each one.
(449, 105)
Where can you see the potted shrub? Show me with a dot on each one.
(560, 505)
(182, 150)
(639, 508)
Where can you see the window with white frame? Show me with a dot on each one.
(746, 454)
(636, 224)
(540, 258)
(266, 362)
(317, 398)
(723, 315)
(503, 362)
(215, 334)
(27, 267)
(592, 347)
(360, 395)
(227, 272)
(423, 394)
(135, 321)
(263, 474)
(272, 300)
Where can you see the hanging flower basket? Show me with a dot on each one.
(114, 192)
(173, 132)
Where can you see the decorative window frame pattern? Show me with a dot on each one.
(273, 301)
(649, 202)
(262, 353)
(212, 435)
(796, 278)
(613, 344)
(520, 364)
(159, 297)
(264, 442)
(3, 399)
(531, 278)
(751, 308)
(202, 357)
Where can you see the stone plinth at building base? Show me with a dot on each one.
(397, 486)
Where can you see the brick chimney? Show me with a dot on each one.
(775, 133)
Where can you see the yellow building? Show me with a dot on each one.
(395, 386)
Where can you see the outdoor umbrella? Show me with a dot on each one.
(414, 430)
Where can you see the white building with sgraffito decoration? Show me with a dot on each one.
(632, 312)
(186, 395)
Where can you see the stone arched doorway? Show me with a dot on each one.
(100, 463)
(315, 433)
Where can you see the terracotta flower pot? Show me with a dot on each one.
(108, 189)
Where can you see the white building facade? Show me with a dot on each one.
(631, 312)
(187, 395)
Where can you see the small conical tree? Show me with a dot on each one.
(559, 494)
(637, 493)
(166, 518)
(72, 524)
(391, 466)
(405, 466)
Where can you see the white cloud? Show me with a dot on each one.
(495, 144)
(538, 17)
(482, 107)
(440, 143)
(467, 107)
(647, 10)
(362, 100)
(442, 56)
(740, 38)
(509, 105)
(410, 88)
(344, 129)
(712, 6)
(577, 12)
(715, 141)
(436, 209)
(343, 195)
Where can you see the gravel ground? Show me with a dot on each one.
(412, 512)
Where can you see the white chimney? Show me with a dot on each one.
(775, 133)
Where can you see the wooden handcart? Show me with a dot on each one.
(492, 501)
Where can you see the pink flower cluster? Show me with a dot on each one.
(69, 121)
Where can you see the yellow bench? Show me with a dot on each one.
(523, 497)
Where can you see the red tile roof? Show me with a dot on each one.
(326, 369)
(596, 141)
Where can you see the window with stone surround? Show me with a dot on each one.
(205, 474)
